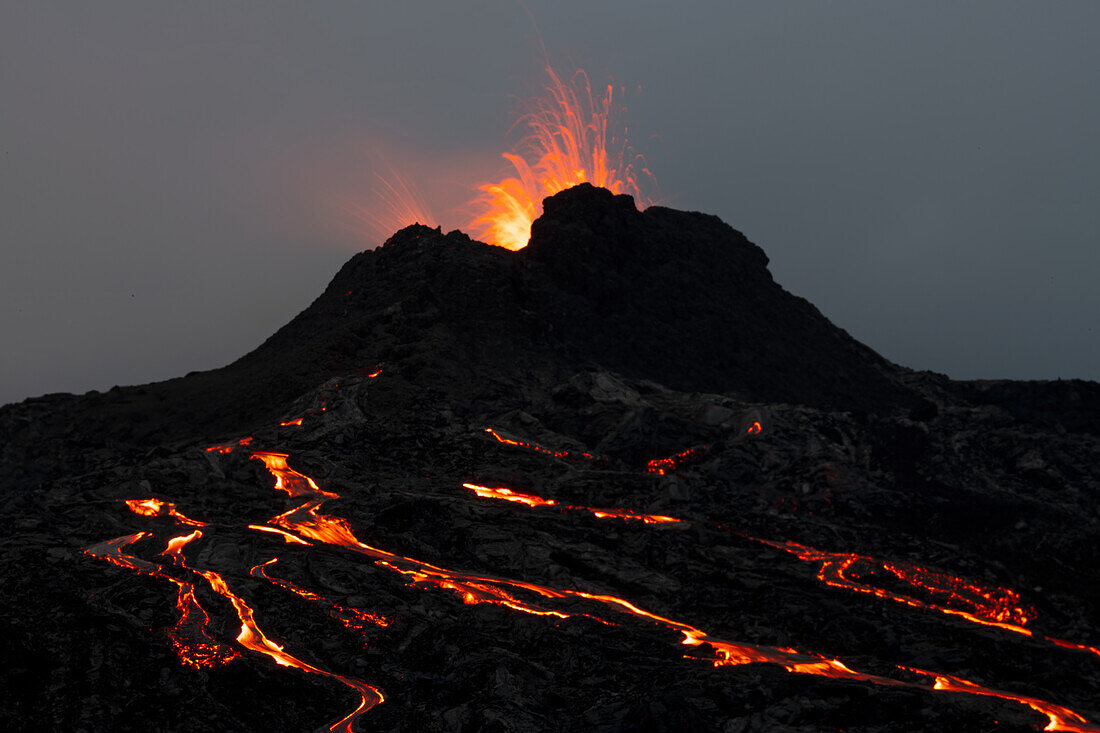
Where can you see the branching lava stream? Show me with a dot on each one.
(305, 524)
(307, 521)
(208, 653)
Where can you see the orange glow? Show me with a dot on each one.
(977, 603)
(189, 638)
(156, 508)
(567, 455)
(250, 637)
(396, 204)
(145, 507)
(176, 545)
(289, 480)
(287, 536)
(931, 590)
(628, 516)
(206, 652)
(500, 492)
(295, 421)
(661, 466)
(475, 590)
(568, 142)
(1060, 718)
(755, 428)
(508, 495)
(228, 447)
(352, 618)
(995, 606)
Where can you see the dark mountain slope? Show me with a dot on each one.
(836, 513)
(676, 297)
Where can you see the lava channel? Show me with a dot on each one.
(564, 454)
(189, 638)
(307, 520)
(355, 619)
(209, 653)
(156, 508)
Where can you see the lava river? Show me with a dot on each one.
(306, 524)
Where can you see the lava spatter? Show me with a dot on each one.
(571, 139)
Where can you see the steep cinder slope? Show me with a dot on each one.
(677, 297)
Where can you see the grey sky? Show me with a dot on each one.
(172, 174)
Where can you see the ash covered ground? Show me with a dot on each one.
(850, 534)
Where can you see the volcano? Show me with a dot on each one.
(619, 479)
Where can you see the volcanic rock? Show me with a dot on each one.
(634, 369)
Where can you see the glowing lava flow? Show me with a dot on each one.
(1061, 718)
(252, 638)
(980, 604)
(205, 652)
(307, 521)
(156, 508)
(565, 454)
(568, 143)
(189, 638)
(989, 605)
(500, 492)
(355, 619)
(487, 492)
(228, 447)
(661, 466)
(958, 597)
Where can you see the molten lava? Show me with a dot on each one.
(565, 454)
(228, 447)
(355, 619)
(571, 139)
(506, 494)
(305, 523)
(924, 588)
(475, 589)
(189, 638)
(661, 466)
(156, 507)
(977, 603)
